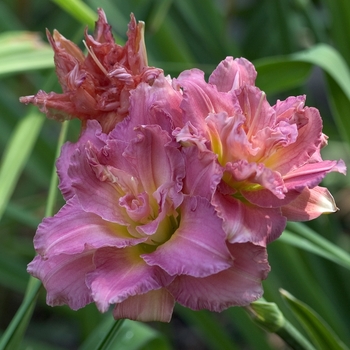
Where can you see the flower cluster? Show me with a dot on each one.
(175, 186)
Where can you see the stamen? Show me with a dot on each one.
(92, 53)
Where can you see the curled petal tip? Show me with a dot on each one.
(26, 99)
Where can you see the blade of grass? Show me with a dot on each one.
(78, 10)
(17, 153)
(208, 327)
(13, 335)
(310, 246)
(124, 335)
(319, 331)
(321, 244)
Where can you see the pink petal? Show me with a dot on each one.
(201, 98)
(310, 175)
(195, 248)
(244, 222)
(63, 276)
(121, 273)
(310, 204)
(231, 74)
(157, 104)
(258, 112)
(266, 199)
(95, 184)
(203, 173)
(228, 138)
(92, 133)
(237, 286)
(291, 110)
(73, 231)
(307, 143)
(158, 163)
(155, 305)
(247, 175)
(137, 207)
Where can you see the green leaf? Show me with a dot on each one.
(305, 244)
(13, 335)
(338, 78)
(208, 328)
(78, 10)
(277, 74)
(319, 331)
(307, 239)
(17, 153)
(124, 335)
(22, 52)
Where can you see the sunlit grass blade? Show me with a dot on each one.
(78, 10)
(310, 246)
(15, 331)
(276, 74)
(17, 153)
(124, 335)
(22, 52)
(319, 331)
(336, 68)
(317, 243)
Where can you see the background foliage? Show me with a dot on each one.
(298, 47)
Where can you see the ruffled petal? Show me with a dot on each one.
(201, 98)
(244, 222)
(231, 74)
(310, 204)
(309, 139)
(157, 104)
(197, 247)
(158, 164)
(237, 286)
(291, 110)
(97, 186)
(310, 175)
(63, 276)
(258, 112)
(92, 133)
(203, 173)
(73, 231)
(156, 305)
(121, 273)
(246, 176)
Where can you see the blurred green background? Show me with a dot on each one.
(298, 47)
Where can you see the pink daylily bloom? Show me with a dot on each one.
(96, 86)
(270, 155)
(143, 228)
(175, 186)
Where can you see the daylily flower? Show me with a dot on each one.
(270, 155)
(96, 86)
(138, 229)
(175, 186)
